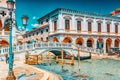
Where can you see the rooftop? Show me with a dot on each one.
(81, 13)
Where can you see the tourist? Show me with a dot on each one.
(6, 58)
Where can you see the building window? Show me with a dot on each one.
(42, 22)
(108, 28)
(46, 20)
(67, 24)
(37, 33)
(79, 25)
(55, 25)
(99, 27)
(116, 28)
(89, 27)
(46, 38)
(41, 39)
(46, 30)
(41, 32)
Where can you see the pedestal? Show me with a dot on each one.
(11, 76)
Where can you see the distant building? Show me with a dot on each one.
(4, 17)
(83, 28)
(116, 12)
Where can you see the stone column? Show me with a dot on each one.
(50, 26)
(3, 20)
(73, 26)
(60, 26)
(95, 43)
(112, 44)
(104, 45)
(85, 42)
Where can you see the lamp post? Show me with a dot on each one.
(24, 20)
(10, 6)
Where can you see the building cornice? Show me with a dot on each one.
(102, 35)
(79, 13)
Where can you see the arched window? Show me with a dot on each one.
(116, 28)
(55, 25)
(67, 24)
(99, 27)
(78, 25)
(108, 28)
(89, 27)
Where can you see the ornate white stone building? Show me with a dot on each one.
(83, 28)
(4, 17)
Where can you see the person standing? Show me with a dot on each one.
(6, 58)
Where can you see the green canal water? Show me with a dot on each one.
(92, 69)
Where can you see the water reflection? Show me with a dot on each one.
(92, 69)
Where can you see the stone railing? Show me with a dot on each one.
(47, 45)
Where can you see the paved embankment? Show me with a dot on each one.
(25, 72)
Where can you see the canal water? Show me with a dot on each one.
(92, 69)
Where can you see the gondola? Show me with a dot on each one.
(76, 58)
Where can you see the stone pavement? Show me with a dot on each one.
(26, 72)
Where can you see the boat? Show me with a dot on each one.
(76, 58)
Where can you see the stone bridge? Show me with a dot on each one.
(42, 47)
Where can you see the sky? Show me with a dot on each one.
(35, 9)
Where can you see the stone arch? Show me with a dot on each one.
(0, 25)
(6, 24)
(108, 44)
(79, 41)
(100, 43)
(116, 43)
(90, 42)
(4, 43)
(54, 39)
(56, 51)
(20, 42)
(67, 40)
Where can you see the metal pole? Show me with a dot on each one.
(62, 58)
(78, 59)
(11, 56)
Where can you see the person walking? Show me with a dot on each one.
(6, 58)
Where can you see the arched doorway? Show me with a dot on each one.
(99, 43)
(67, 40)
(108, 44)
(55, 39)
(116, 43)
(4, 43)
(90, 42)
(79, 41)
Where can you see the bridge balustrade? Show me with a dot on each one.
(46, 45)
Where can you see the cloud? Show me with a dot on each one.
(34, 25)
(27, 29)
(34, 17)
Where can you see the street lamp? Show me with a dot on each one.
(10, 6)
(24, 20)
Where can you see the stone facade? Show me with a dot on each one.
(83, 28)
(4, 33)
